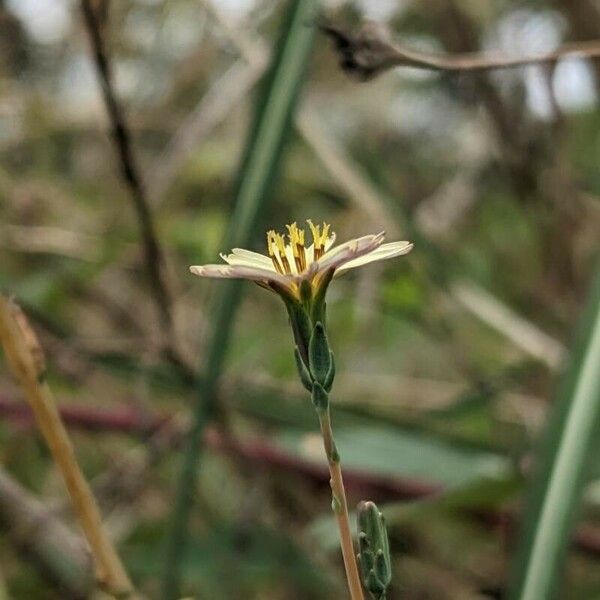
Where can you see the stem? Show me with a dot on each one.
(130, 174)
(340, 506)
(25, 359)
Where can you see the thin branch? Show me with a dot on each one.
(50, 240)
(154, 259)
(59, 554)
(371, 51)
(521, 332)
(25, 359)
(212, 108)
(121, 419)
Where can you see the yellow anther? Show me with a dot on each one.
(273, 249)
(296, 237)
(280, 242)
(320, 237)
(270, 242)
(314, 229)
(281, 253)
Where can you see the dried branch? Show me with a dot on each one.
(521, 332)
(371, 51)
(34, 530)
(154, 259)
(127, 419)
(26, 360)
(212, 108)
(50, 240)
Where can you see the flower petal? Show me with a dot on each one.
(248, 259)
(350, 250)
(241, 272)
(255, 256)
(384, 252)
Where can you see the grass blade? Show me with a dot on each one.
(260, 166)
(565, 450)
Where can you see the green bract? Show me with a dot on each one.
(374, 550)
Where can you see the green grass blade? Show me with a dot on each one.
(262, 159)
(565, 450)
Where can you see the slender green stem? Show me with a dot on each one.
(204, 412)
(340, 506)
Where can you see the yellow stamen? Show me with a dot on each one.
(279, 243)
(277, 247)
(319, 237)
(296, 237)
(272, 249)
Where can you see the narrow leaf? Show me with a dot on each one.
(556, 492)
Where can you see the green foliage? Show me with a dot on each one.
(230, 561)
(561, 463)
(383, 451)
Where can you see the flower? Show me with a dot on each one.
(290, 263)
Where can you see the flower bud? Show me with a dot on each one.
(374, 556)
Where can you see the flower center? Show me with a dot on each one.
(292, 256)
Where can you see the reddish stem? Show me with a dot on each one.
(263, 454)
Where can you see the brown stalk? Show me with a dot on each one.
(26, 361)
(371, 51)
(340, 507)
(130, 174)
(39, 535)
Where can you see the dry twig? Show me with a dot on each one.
(26, 360)
(212, 108)
(521, 332)
(154, 259)
(35, 531)
(371, 51)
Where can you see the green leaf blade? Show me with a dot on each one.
(557, 488)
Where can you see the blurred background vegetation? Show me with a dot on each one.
(448, 360)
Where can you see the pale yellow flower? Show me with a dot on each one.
(289, 261)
